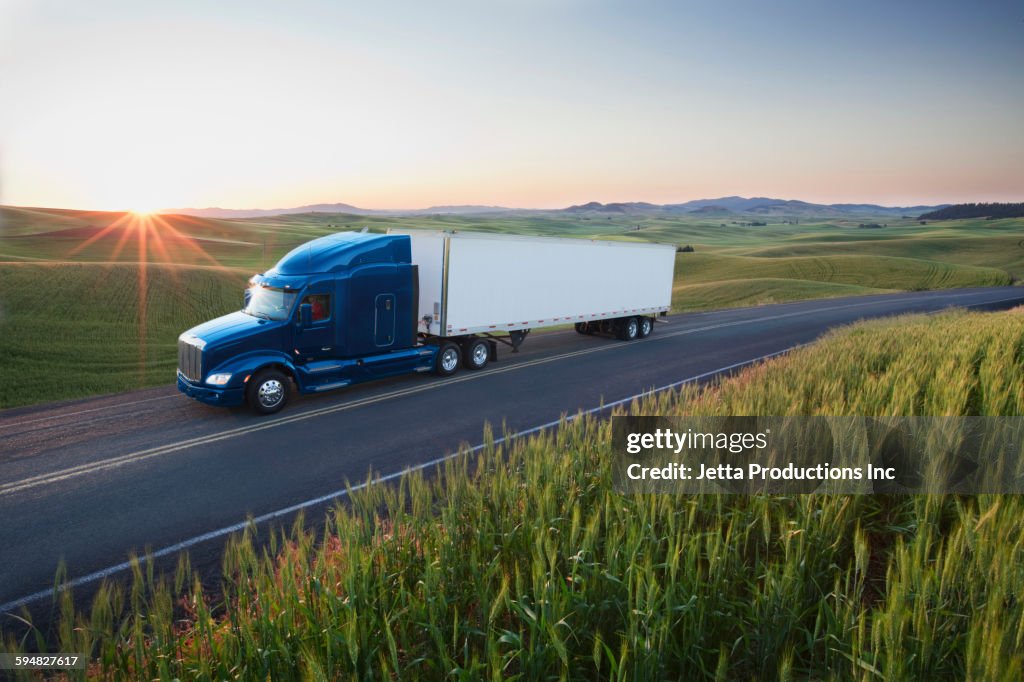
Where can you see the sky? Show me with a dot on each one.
(525, 103)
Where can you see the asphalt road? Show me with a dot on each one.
(93, 481)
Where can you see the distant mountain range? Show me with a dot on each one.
(722, 206)
(264, 212)
(752, 206)
(331, 208)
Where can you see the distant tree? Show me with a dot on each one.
(961, 211)
(684, 249)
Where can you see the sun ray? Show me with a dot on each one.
(99, 235)
(188, 241)
(161, 246)
(142, 227)
(126, 234)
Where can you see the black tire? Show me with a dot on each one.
(582, 328)
(445, 364)
(475, 354)
(629, 328)
(646, 327)
(268, 391)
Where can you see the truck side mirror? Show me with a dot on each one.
(305, 315)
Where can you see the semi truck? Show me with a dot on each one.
(356, 306)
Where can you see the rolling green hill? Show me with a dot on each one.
(883, 272)
(997, 250)
(758, 291)
(78, 329)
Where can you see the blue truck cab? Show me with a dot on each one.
(335, 311)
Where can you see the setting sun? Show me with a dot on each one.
(143, 210)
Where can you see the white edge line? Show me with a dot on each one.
(234, 528)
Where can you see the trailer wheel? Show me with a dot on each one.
(646, 327)
(448, 358)
(583, 328)
(268, 391)
(476, 353)
(629, 328)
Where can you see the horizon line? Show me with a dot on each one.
(493, 207)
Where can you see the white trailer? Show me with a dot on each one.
(489, 284)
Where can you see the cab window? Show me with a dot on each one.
(321, 306)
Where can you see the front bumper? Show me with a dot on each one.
(224, 397)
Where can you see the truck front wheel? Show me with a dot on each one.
(448, 358)
(629, 328)
(268, 391)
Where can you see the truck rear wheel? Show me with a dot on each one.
(629, 328)
(448, 357)
(646, 327)
(268, 391)
(476, 353)
(583, 328)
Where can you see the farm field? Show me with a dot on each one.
(76, 321)
(523, 560)
(78, 329)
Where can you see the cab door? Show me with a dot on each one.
(315, 342)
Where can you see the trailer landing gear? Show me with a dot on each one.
(514, 340)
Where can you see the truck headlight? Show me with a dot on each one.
(218, 379)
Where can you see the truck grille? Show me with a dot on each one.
(190, 359)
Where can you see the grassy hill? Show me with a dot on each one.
(997, 250)
(76, 329)
(883, 272)
(523, 560)
(758, 291)
(732, 265)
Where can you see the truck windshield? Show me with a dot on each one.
(270, 304)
